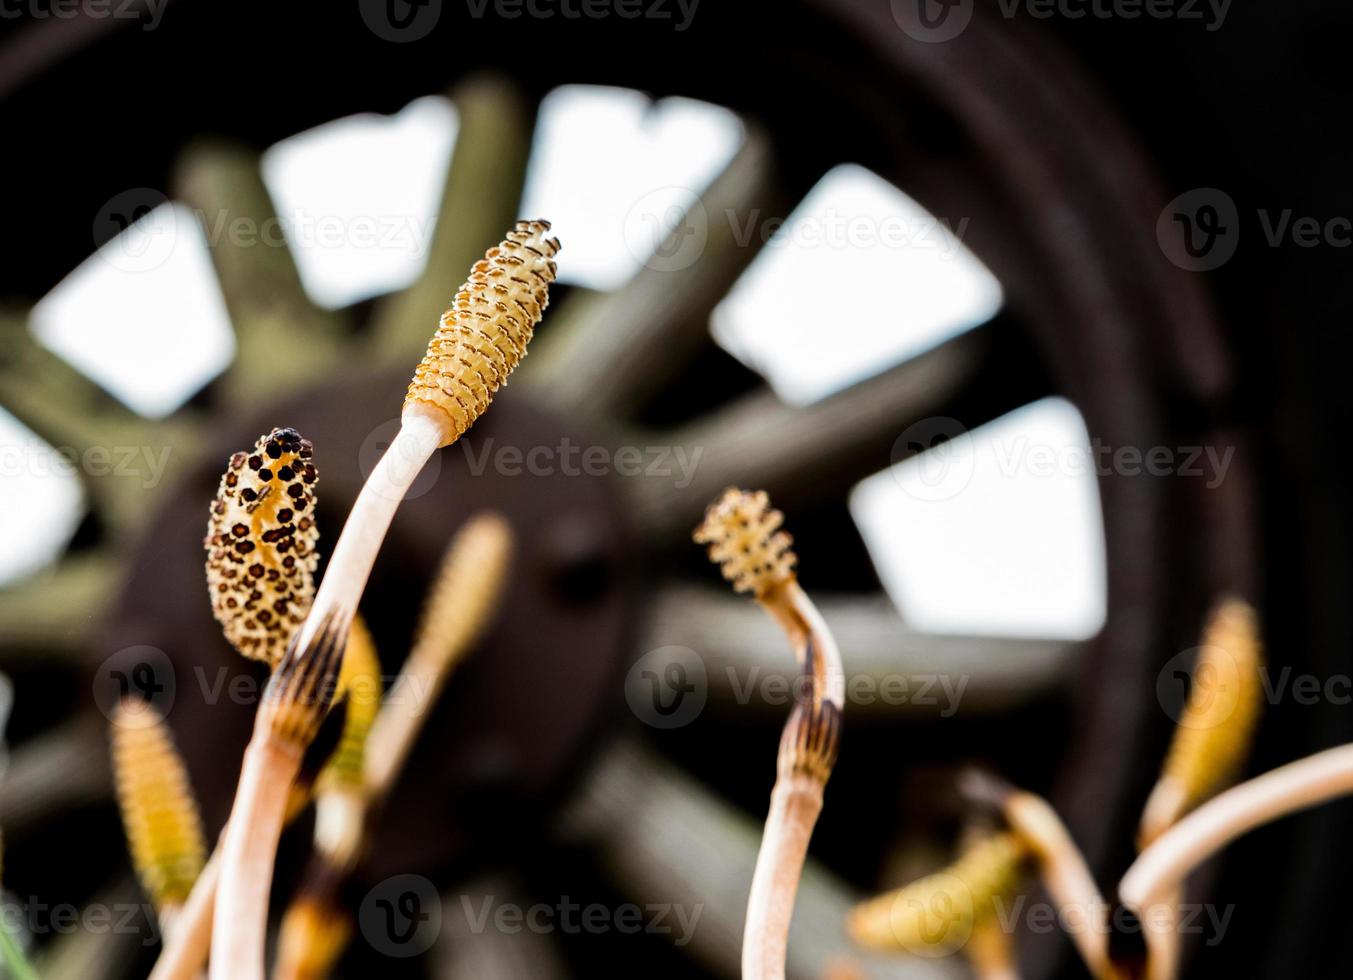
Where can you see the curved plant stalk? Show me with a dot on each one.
(744, 538)
(478, 343)
(1168, 861)
(462, 600)
(1208, 749)
(1061, 866)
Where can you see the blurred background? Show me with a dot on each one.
(1026, 315)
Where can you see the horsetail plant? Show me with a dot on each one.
(744, 537)
(943, 910)
(464, 595)
(159, 814)
(477, 344)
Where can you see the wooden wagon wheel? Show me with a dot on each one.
(1063, 211)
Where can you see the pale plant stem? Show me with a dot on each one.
(1167, 862)
(255, 826)
(186, 945)
(796, 799)
(1065, 875)
(1162, 937)
(990, 952)
(394, 732)
(349, 566)
(828, 673)
(795, 803)
(241, 919)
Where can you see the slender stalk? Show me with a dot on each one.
(1166, 863)
(744, 537)
(1061, 865)
(990, 952)
(477, 345)
(808, 749)
(295, 702)
(795, 803)
(186, 945)
(345, 578)
(467, 592)
(250, 847)
(1064, 873)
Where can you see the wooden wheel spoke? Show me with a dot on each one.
(601, 353)
(791, 451)
(465, 952)
(77, 417)
(479, 200)
(890, 669)
(281, 336)
(59, 770)
(54, 613)
(662, 837)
